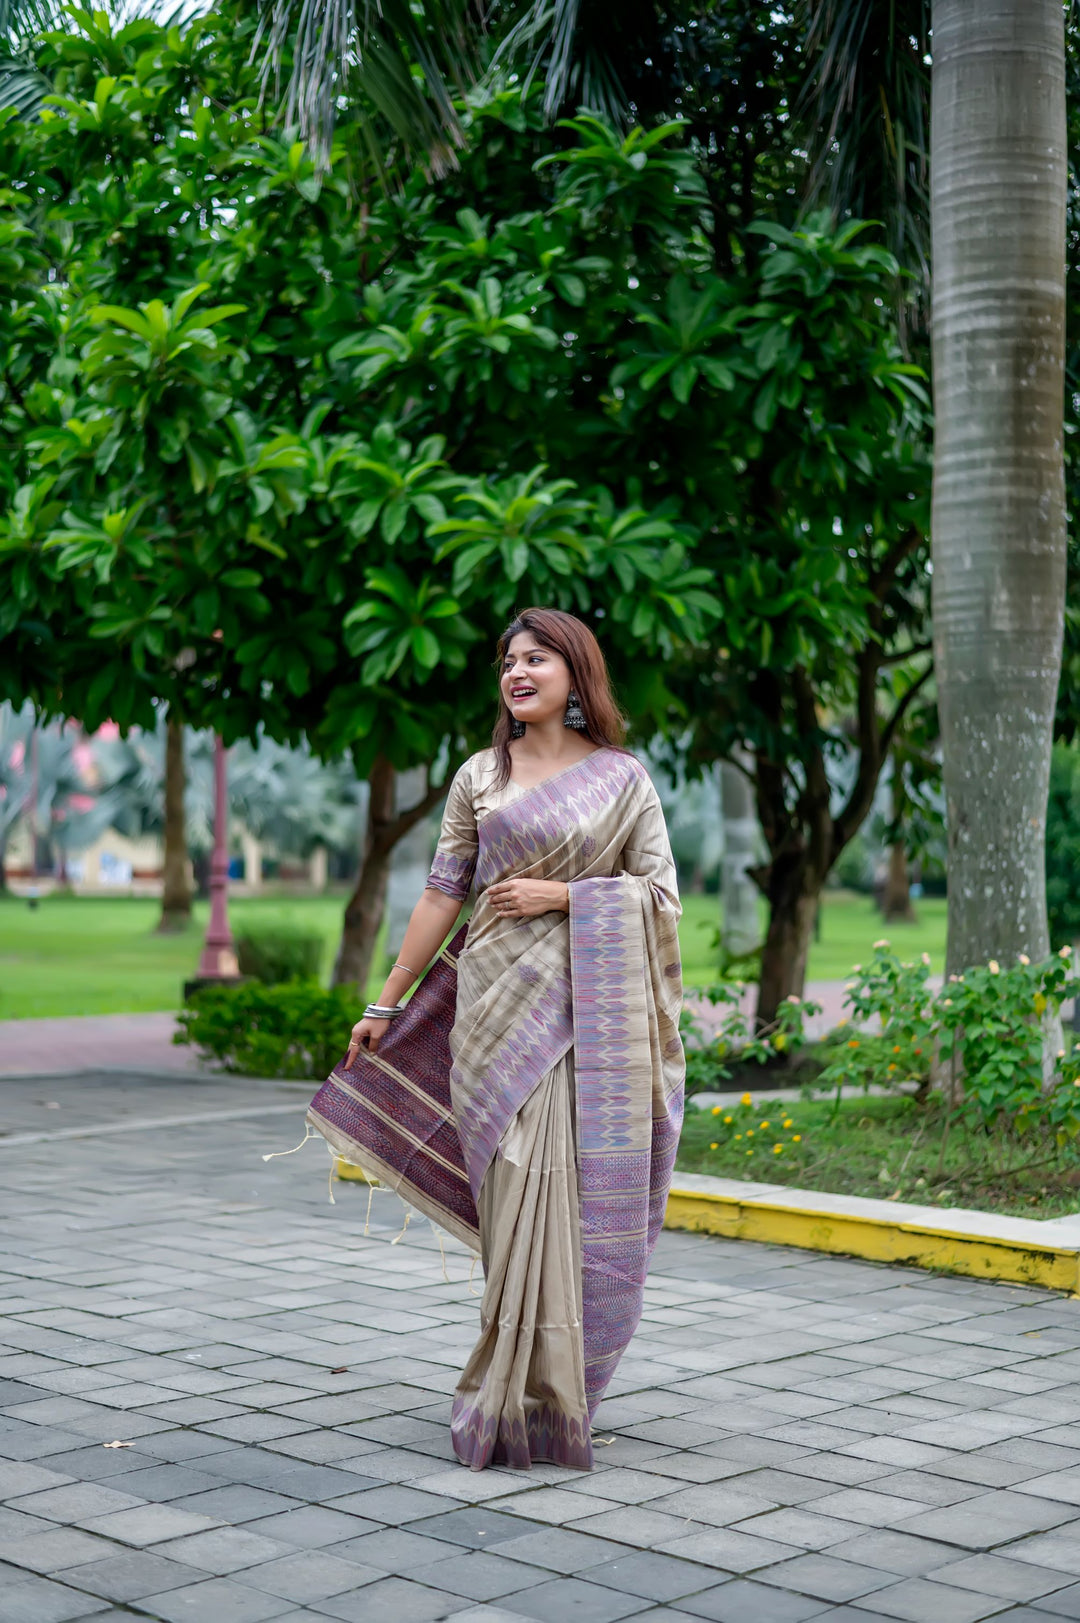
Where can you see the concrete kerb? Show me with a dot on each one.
(983, 1245)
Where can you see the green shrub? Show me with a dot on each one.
(711, 1061)
(294, 1030)
(274, 953)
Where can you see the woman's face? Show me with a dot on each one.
(535, 682)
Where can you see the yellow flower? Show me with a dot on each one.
(841, 1022)
(777, 1148)
(796, 1138)
(896, 1048)
(788, 1122)
(764, 1124)
(1040, 1002)
(780, 1041)
(714, 1146)
(749, 1132)
(738, 1138)
(716, 1109)
(892, 1067)
(728, 1120)
(853, 1042)
(749, 1152)
(746, 1099)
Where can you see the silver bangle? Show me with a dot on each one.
(379, 1011)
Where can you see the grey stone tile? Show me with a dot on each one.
(996, 1575)
(238, 1503)
(633, 1524)
(991, 1520)
(480, 1575)
(311, 1527)
(477, 1527)
(54, 1550)
(308, 1576)
(895, 1551)
(719, 1504)
(730, 1551)
(18, 1478)
(217, 1600)
(743, 1601)
(76, 1502)
(801, 1526)
(1062, 1603)
(391, 1600)
(652, 1575)
(394, 1504)
(394, 1550)
(222, 1550)
(564, 1598)
(131, 1574)
(826, 1578)
(40, 1600)
(921, 1600)
(147, 1524)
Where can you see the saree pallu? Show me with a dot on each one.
(529, 1099)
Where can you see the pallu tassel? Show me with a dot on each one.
(275, 1154)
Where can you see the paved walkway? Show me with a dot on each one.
(144, 1041)
(220, 1401)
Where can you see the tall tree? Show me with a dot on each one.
(999, 173)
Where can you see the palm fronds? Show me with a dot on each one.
(865, 116)
(409, 62)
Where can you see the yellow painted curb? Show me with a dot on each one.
(978, 1244)
(1023, 1258)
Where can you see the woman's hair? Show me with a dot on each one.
(589, 679)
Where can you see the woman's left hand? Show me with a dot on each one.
(528, 898)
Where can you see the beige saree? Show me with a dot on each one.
(530, 1098)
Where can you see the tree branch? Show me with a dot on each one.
(880, 583)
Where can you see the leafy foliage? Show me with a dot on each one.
(291, 1030)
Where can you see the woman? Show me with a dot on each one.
(529, 1096)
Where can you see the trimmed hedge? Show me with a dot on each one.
(298, 1029)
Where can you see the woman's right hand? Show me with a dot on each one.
(366, 1033)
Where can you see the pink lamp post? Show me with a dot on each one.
(218, 960)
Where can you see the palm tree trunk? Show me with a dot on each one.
(998, 167)
(175, 889)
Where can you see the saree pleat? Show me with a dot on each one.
(531, 1096)
(522, 1394)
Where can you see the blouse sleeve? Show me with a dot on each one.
(455, 855)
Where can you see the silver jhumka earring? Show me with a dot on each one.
(575, 716)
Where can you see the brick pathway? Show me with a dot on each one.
(794, 1437)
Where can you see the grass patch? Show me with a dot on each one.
(100, 955)
(885, 1148)
(850, 924)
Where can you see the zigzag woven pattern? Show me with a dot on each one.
(515, 837)
(617, 1178)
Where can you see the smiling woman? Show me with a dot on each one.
(529, 1096)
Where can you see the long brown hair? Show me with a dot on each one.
(589, 679)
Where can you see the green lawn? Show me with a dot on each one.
(850, 925)
(80, 955)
